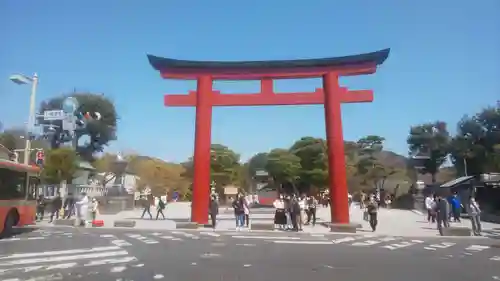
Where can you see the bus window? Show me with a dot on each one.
(12, 184)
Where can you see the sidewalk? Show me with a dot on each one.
(392, 222)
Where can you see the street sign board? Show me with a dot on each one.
(51, 115)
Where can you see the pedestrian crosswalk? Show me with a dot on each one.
(389, 243)
(38, 262)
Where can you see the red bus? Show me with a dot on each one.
(18, 191)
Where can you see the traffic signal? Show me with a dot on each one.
(80, 120)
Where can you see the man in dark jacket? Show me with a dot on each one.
(442, 211)
(213, 209)
(56, 207)
(69, 206)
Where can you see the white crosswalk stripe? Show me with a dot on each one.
(142, 238)
(185, 234)
(18, 263)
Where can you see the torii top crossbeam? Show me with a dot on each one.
(266, 72)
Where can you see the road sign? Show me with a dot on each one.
(51, 115)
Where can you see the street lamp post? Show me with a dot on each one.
(20, 80)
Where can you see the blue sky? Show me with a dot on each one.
(444, 63)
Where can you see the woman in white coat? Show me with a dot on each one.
(82, 208)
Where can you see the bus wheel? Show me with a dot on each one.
(9, 224)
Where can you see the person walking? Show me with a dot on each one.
(160, 208)
(279, 213)
(56, 207)
(475, 217)
(69, 206)
(214, 210)
(372, 210)
(146, 204)
(40, 208)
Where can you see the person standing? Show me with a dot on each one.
(311, 214)
(82, 208)
(239, 212)
(56, 207)
(246, 210)
(430, 207)
(295, 213)
(214, 210)
(94, 209)
(280, 213)
(441, 213)
(456, 207)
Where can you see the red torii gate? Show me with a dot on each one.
(331, 95)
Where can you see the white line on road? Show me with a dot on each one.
(64, 258)
(476, 248)
(142, 239)
(185, 234)
(210, 234)
(342, 240)
(303, 242)
(120, 243)
(266, 237)
(64, 252)
(111, 261)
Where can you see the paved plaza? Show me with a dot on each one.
(392, 222)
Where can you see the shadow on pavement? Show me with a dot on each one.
(18, 231)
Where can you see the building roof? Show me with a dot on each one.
(457, 181)
(166, 65)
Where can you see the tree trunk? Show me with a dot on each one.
(433, 177)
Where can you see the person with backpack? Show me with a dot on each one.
(160, 208)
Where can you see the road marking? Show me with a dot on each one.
(367, 243)
(477, 248)
(443, 245)
(107, 236)
(64, 252)
(400, 245)
(120, 243)
(303, 242)
(342, 240)
(188, 235)
(266, 237)
(142, 239)
(210, 234)
(111, 261)
(495, 258)
(64, 258)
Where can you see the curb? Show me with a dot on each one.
(372, 235)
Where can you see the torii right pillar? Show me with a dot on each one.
(339, 207)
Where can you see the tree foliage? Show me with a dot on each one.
(60, 165)
(313, 169)
(160, 177)
(100, 131)
(430, 140)
(477, 143)
(283, 166)
(15, 139)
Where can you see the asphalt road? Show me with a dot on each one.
(107, 254)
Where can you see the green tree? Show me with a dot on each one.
(283, 166)
(430, 140)
(100, 132)
(59, 165)
(313, 161)
(257, 163)
(15, 139)
(477, 143)
(225, 167)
